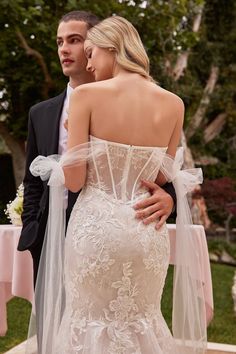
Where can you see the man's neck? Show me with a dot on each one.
(81, 79)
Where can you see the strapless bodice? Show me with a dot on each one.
(121, 167)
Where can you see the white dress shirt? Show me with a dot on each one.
(63, 134)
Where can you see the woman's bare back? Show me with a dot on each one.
(134, 111)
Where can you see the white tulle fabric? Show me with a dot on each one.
(99, 289)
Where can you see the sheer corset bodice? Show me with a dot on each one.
(119, 170)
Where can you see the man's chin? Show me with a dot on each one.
(66, 72)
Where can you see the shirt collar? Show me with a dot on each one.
(69, 90)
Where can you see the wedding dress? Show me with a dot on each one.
(104, 282)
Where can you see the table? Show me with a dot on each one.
(16, 271)
(16, 268)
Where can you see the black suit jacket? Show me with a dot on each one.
(43, 137)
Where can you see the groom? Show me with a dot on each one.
(47, 135)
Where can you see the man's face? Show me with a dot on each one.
(70, 42)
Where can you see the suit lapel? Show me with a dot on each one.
(54, 114)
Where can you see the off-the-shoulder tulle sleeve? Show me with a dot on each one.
(190, 300)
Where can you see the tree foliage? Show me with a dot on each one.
(220, 195)
(162, 25)
(30, 71)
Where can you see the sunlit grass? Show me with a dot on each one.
(18, 311)
(222, 329)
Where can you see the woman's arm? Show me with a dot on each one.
(78, 133)
(175, 137)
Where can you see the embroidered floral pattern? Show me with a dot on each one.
(124, 306)
(158, 254)
(124, 314)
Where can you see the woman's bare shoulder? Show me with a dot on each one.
(87, 93)
(169, 101)
(168, 95)
(94, 86)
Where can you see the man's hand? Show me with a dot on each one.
(157, 207)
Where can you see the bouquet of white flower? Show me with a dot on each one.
(14, 209)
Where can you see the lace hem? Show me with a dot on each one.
(143, 336)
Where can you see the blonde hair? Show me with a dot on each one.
(118, 34)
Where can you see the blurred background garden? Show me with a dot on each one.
(192, 49)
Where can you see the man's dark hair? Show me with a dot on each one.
(83, 16)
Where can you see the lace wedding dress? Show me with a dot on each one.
(115, 266)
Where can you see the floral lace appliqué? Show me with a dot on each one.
(123, 316)
(158, 254)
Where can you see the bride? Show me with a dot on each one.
(99, 290)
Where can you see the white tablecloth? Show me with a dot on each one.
(16, 268)
(16, 271)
